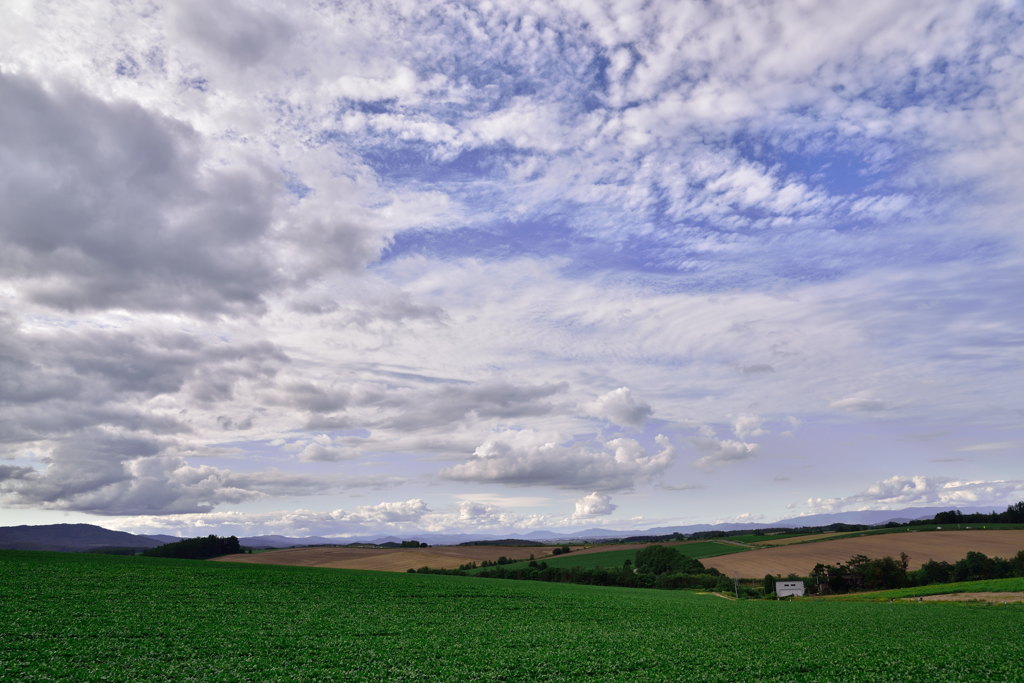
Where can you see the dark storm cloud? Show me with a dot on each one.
(59, 381)
(107, 204)
(426, 405)
(452, 403)
(108, 474)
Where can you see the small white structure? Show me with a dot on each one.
(784, 588)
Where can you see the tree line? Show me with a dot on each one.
(1014, 514)
(655, 566)
(197, 548)
(863, 573)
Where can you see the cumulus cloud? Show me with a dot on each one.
(903, 491)
(110, 474)
(528, 458)
(594, 505)
(108, 204)
(722, 452)
(622, 408)
(324, 448)
(265, 224)
(390, 515)
(746, 426)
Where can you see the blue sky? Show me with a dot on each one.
(504, 266)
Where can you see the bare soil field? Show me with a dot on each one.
(403, 559)
(388, 559)
(920, 546)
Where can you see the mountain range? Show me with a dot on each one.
(89, 537)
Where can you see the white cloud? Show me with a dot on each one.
(724, 451)
(594, 505)
(622, 408)
(859, 404)
(746, 426)
(262, 223)
(323, 448)
(529, 458)
(915, 491)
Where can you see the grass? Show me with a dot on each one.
(990, 585)
(89, 617)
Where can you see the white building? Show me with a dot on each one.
(784, 588)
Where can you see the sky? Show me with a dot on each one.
(344, 268)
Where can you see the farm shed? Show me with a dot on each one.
(784, 588)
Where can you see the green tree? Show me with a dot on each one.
(659, 559)
(933, 572)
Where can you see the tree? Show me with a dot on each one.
(660, 559)
(197, 548)
(974, 566)
(949, 517)
(934, 572)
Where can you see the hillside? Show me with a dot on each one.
(920, 546)
(387, 559)
(210, 621)
(70, 537)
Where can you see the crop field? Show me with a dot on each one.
(387, 559)
(616, 558)
(790, 539)
(88, 617)
(1013, 586)
(948, 546)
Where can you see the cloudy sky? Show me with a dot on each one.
(348, 267)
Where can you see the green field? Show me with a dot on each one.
(767, 538)
(612, 559)
(88, 617)
(989, 585)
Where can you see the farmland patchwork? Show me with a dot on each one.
(90, 617)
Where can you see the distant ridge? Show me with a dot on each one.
(84, 537)
(71, 537)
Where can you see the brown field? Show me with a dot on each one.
(403, 559)
(920, 546)
(388, 559)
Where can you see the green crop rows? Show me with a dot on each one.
(83, 617)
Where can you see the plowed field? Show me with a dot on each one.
(388, 559)
(921, 546)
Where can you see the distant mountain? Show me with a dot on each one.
(875, 516)
(85, 537)
(273, 541)
(164, 538)
(70, 537)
